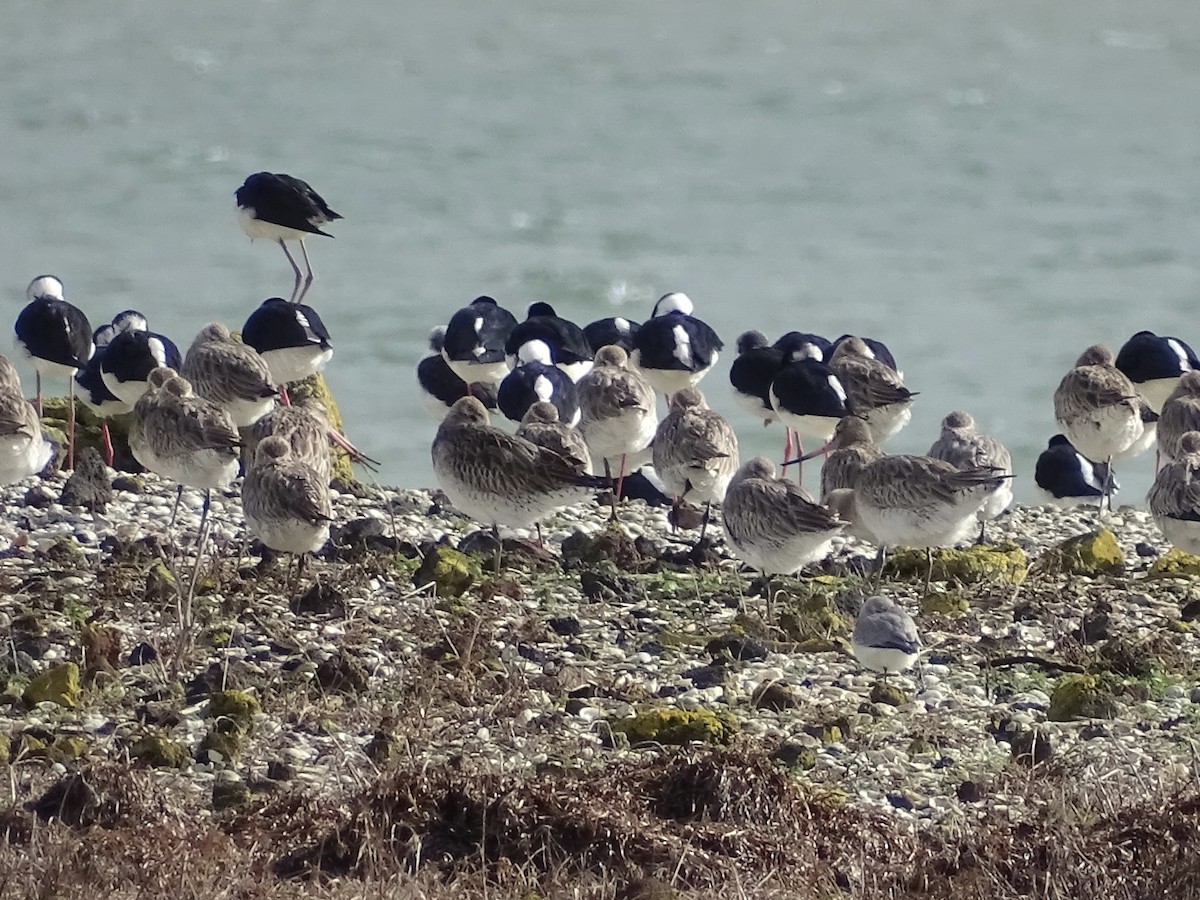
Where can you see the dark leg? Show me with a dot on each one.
(499, 546)
(929, 571)
(71, 424)
(982, 532)
(308, 279)
(295, 270)
(1107, 485)
(37, 397)
(704, 522)
(620, 477)
(186, 612)
(612, 492)
(880, 562)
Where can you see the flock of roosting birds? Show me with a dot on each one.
(586, 402)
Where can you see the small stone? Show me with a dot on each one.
(320, 600)
(341, 674)
(277, 770)
(229, 794)
(887, 694)
(735, 646)
(1145, 550)
(134, 484)
(1031, 748)
(565, 626)
(774, 696)
(969, 792)
(574, 705)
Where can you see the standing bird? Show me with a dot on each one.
(476, 335)
(1098, 408)
(280, 208)
(56, 339)
(873, 348)
(885, 638)
(612, 330)
(286, 502)
(1180, 414)
(964, 447)
(874, 389)
(1154, 364)
(500, 479)
(1066, 478)
(536, 378)
(921, 502)
(809, 399)
(674, 349)
(1174, 497)
(618, 415)
(542, 425)
(130, 356)
(291, 339)
(752, 372)
(441, 386)
(695, 452)
(24, 450)
(565, 342)
(230, 374)
(772, 524)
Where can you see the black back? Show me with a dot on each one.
(655, 341)
(613, 330)
(133, 355)
(796, 344)
(284, 200)
(462, 337)
(88, 378)
(753, 371)
(440, 381)
(279, 324)
(566, 340)
(1062, 471)
(54, 330)
(517, 391)
(806, 388)
(1147, 356)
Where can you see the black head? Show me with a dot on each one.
(541, 309)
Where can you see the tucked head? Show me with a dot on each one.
(758, 467)
(8, 374)
(750, 340)
(271, 449)
(1190, 443)
(1096, 355)
(130, 320)
(483, 301)
(214, 331)
(437, 338)
(850, 430)
(177, 386)
(541, 412)
(541, 308)
(688, 398)
(44, 286)
(1189, 382)
(958, 419)
(160, 376)
(612, 355)
(468, 410)
(675, 302)
(534, 351)
(852, 346)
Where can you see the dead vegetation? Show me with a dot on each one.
(693, 823)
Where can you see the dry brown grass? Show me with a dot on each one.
(694, 823)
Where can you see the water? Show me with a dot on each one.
(987, 187)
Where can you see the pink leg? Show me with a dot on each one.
(108, 447)
(799, 454)
(295, 270)
(355, 454)
(283, 397)
(787, 444)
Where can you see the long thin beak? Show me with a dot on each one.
(806, 457)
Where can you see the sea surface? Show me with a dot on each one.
(988, 187)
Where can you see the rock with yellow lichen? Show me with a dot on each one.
(1091, 554)
(677, 726)
(971, 565)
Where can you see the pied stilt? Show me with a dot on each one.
(674, 349)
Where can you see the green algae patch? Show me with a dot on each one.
(159, 752)
(450, 572)
(971, 565)
(945, 603)
(1081, 697)
(237, 706)
(678, 727)
(58, 685)
(1095, 553)
(1175, 563)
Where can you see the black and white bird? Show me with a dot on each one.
(280, 208)
(130, 356)
(752, 372)
(609, 331)
(804, 345)
(1155, 363)
(536, 379)
(94, 393)
(674, 349)
(476, 335)
(56, 339)
(809, 400)
(1065, 477)
(440, 385)
(565, 341)
(291, 339)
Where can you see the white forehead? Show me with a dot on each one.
(44, 286)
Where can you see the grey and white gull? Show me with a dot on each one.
(885, 637)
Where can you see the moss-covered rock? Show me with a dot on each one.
(677, 726)
(1081, 697)
(159, 752)
(58, 685)
(229, 795)
(451, 573)
(87, 428)
(1095, 553)
(971, 565)
(1175, 563)
(237, 706)
(945, 603)
(887, 694)
(813, 618)
(66, 748)
(225, 739)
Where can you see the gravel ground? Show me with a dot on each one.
(530, 669)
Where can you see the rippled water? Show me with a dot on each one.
(988, 187)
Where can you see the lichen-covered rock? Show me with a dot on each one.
(945, 603)
(237, 706)
(451, 573)
(1081, 697)
(229, 794)
(160, 752)
(58, 685)
(677, 726)
(813, 618)
(1175, 563)
(887, 694)
(971, 565)
(1095, 553)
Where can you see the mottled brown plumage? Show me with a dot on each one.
(540, 425)
(874, 390)
(851, 449)
(230, 374)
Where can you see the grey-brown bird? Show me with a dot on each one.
(874, 390)
(303, 425)
(24, 450)
(965, 447)
(695, 451)
(1180, 414)
(851, 449)
(540, 425)
(1174, 497)
(231, 374)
